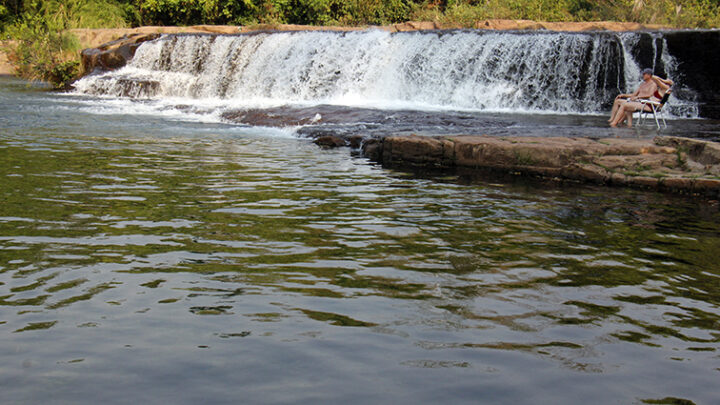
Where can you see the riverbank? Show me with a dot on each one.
(6, 68)
(665, 163)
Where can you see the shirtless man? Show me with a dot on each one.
(626, 104)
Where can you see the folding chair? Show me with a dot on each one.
(655, 108)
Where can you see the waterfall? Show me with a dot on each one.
(463, 70)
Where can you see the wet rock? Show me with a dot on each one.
(330, 142)
(644, 181)
(707, 186)
(617, 179)
(586, 173)
(658, 164)
(414, 150)
(271, 117)
(138, 88)
(677, 184)
(356, 141)
(373, 149)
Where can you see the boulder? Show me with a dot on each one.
(356, 141)
(414, 150)
(373, 149)
(330, 142)
(115, 54)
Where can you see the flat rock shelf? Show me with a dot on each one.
(665, 163)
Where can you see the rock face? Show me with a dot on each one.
(112, 48)
(115, 54)
(665, 163)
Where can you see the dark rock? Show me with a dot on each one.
(373, 149)
(138, 88)
(586, 173)
(330, 142)
(707, 186)
(644, 181)
(414, 150)
(356, 141)
(677, 184)
(698, 61)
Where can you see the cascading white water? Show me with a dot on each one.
(487, 71)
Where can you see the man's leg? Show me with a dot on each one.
(616, 105)
(629, 108)
(629, 118)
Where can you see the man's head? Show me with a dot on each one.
(647, 74)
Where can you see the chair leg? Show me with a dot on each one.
(654, 112)
(662, 116)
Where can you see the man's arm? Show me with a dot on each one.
(630, 95)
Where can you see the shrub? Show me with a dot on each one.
(43, 49)
(191, 12)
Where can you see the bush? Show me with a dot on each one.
(43, 49)
(192, 12)
(309, 12)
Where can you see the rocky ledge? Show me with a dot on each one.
(665, 163)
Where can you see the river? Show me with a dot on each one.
(146, 258)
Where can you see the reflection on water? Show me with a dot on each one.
(232, 267)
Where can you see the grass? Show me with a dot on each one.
(524, 159)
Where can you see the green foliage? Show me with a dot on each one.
(310, 12)
(115, 13)
(68, 13)
(41, 49)
(4, 15)
(188, 12)
(63, 73)
(83, 13)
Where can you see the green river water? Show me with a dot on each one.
(146, 260)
